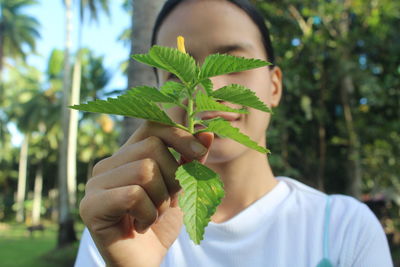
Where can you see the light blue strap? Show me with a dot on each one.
(325, 262)
(326, 227)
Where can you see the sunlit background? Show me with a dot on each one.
(337, 128)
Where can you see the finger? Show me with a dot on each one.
(206, 139)
(111, 205)
(144, 173)
(182, 141)
(151, 147)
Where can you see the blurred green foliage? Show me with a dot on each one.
(337, 57)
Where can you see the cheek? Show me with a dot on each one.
(259, 82)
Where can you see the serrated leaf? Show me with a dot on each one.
(202, 193)
(206, 103)
(151, 94)
(128, 105)
(218, 64)
(147, 59)
(241, 95)
(223, 128)
(173, 89)
(174, 61)
(207, 85)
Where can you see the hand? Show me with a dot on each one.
(130, 202)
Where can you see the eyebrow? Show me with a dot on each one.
(229, 48)
(226, 49)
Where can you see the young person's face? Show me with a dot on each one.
(217, 26)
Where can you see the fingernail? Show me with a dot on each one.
(141, 228)
(198, 148)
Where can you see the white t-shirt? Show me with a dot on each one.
(284, 228)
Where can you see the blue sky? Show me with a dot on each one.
(100, 37)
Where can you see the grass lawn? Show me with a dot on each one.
(18, 249)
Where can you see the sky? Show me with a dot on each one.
(100, 37)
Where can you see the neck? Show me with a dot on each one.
(246, 179)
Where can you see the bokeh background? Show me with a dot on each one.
(337, 128)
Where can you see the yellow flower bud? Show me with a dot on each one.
(181, 44)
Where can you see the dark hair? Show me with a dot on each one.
(245, 5)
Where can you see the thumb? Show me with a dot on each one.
(206, 139)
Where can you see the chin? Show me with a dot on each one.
(224, 150)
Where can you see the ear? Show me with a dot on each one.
(276, 83)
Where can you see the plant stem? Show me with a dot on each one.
(190, 114)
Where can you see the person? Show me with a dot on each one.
(130, 207)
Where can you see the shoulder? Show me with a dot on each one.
(338, 202)
(345, 211)
(357, 237)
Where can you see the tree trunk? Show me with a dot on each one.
(2, 97)
(354, 159)
(73, 123)
(54, 203)
(322, 156)
(322, 132)
(1, 55)
(23, 160)
(37, 195)
(66, 232)
(347, 87)
(144, 16)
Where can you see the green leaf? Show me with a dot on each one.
(208, 86)
(206, 103)
(173, 89)
(202, 193)
(241, 95)
(147, 59)
(218, 64)
(223, 128)
(174, 61)
(151, 94)
(128, 105)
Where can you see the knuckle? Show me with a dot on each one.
(164, 206)
(146, 169)
(89, 185)
(83, 209)
(132, 196)
(153, 142)
(99, 167)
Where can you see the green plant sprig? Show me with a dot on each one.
(202, 188)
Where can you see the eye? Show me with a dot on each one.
(172, 77)
(234, 73)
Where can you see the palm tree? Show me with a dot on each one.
(40, 121)
(93, 7)
(66, 231)
(25, 83)
(67, 170)
(17, 30)
(95, 130)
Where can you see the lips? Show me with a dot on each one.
(229, 116)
